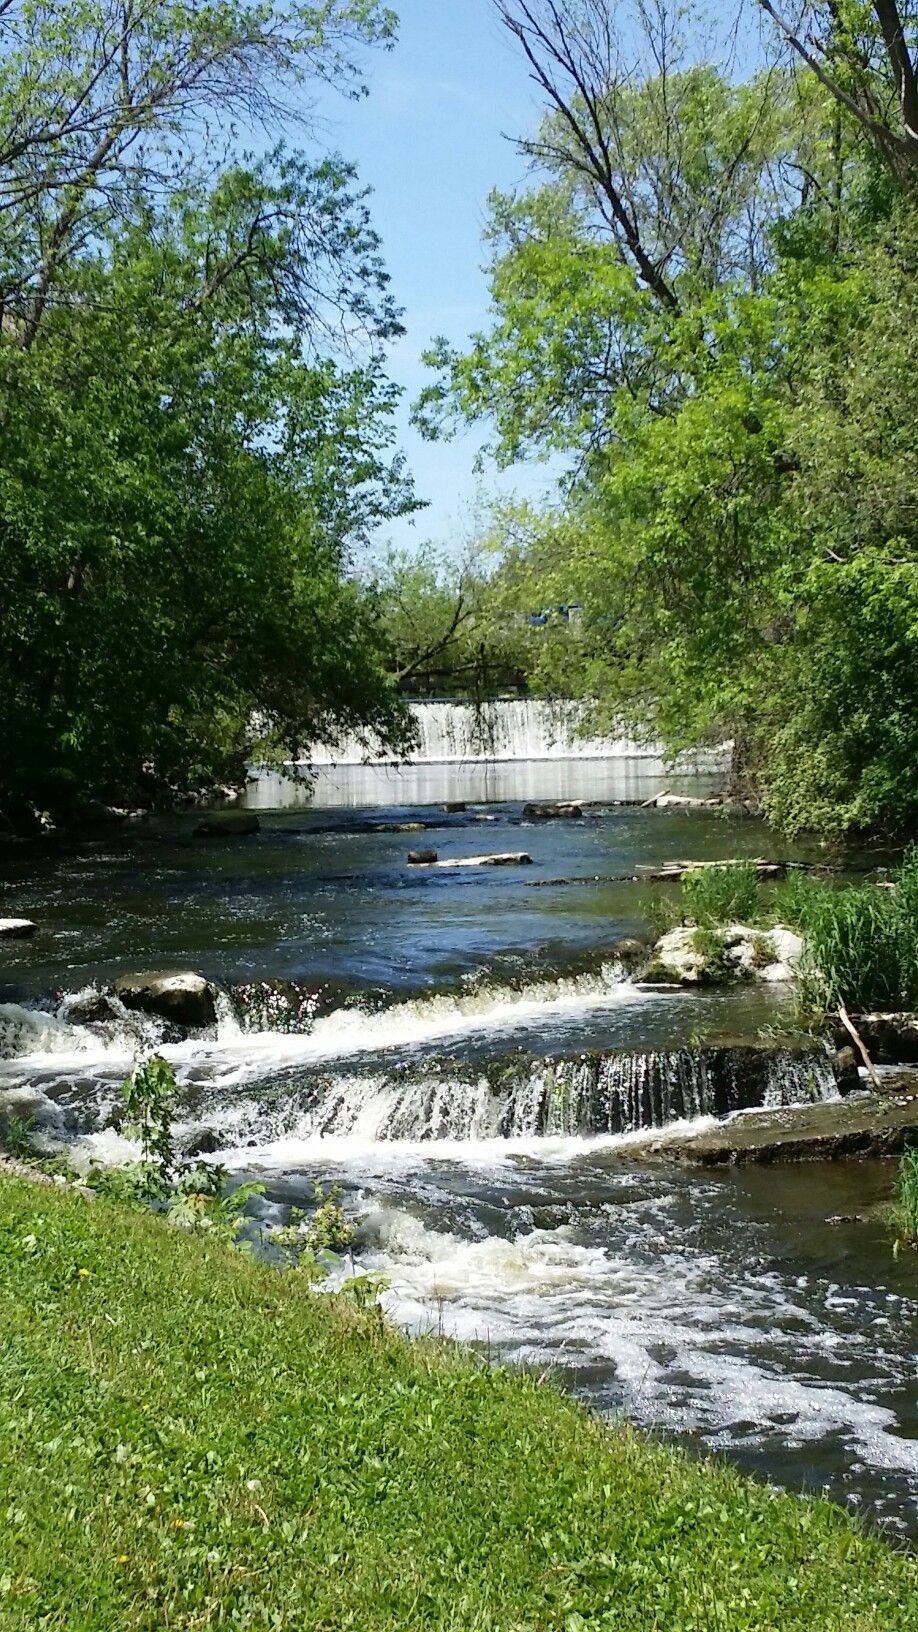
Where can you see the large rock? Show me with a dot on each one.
(422, 858)
(183, 997)
(691, 957)
(548, 813)
(225, 824)
(16, 929)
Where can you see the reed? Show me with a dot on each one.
(714, 896)
(862, 944)
(905, 1206)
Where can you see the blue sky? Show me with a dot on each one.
(430, 141)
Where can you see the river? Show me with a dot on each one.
(462, 1054)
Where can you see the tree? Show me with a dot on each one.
(196, 432)
(738, 524)
(864, 53)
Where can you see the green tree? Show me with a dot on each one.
(196, 418)
(738, 526)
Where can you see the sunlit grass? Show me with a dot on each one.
(194, 1440)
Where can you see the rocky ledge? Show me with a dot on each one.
(863, 1124)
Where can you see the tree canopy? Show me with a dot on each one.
(705, 299)
(196, 420)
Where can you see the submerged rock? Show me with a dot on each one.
(700, 957)
(184, 998)
(16, 929)
(219, 824)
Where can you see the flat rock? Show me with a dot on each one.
(224, 824)
(16, 929)
(181, 996)
(860, 1125)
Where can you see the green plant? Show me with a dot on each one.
(862, 944)
(313, 1242)
(16, 1137)
(763, 951)
(713, 896)
(149, 1095)
(794, 897)
(905, 1206)
(201, 1202)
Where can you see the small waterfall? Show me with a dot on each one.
(522, 1098)
(461, 733)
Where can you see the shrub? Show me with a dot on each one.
(713, 896)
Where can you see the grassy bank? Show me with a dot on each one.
(190, 1439)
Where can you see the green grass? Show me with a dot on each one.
(714, 896)
(862, 944)
(190, 1439)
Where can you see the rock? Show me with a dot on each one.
(511, 858)
(202, 1143)
(185, 998)
(224, 824)
(844, 1063)
(398, 827)
(861, 1125)
(630, 953)
(890, 1039)
(682, 801)
(422, 858)
(549, 813)
(453, 806)
(710, 957)
(90, 1008)
(16, 929)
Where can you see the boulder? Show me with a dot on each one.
(224, 824)
(16, 929)
(735, 952)
(421, 858)
(184, 998)
(683, 801)
(549, 813)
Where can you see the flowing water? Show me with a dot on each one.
(465, 1055)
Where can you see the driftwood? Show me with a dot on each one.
(674, 870)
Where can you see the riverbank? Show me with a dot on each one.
(194, 1440)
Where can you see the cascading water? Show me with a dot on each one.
(515, 1098)
(523, 730)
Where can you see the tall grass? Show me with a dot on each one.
(713, 896)
(862, 943)
(905, 1207)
